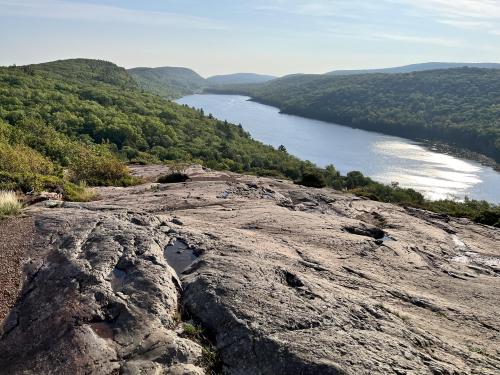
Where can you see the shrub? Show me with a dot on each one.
(173, 178)
(312, 179)
(18, 158)
(98, 166)
(9, 204)
(77, 193)
(29, 182)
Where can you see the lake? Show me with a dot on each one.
(382, 157)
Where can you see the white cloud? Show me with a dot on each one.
(467, 24)
(322, 8)
(444, 42)
(482, 16)
(466, 9)
(60, 9)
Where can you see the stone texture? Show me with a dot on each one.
(102, 301)
(290, 280)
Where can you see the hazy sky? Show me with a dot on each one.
(264, 36)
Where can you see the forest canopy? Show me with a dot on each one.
(72, 123)
(455, 106)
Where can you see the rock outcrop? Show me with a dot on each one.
(285, 280)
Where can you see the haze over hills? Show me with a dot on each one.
(415, 68)
(175, 82)
(239, 78)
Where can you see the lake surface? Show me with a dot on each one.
(382, 157)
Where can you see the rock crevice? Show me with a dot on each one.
(286, 279)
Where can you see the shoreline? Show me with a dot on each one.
(431, 145)
(459, 152)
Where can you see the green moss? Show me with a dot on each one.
(192, 331)
(210, 359)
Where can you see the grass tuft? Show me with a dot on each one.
(9, 204)
(210, 358)
(191, 331)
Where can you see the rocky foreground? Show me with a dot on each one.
(285, 280)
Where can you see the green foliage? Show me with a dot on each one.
(313, 179)
(478, 211)
(98, 166)
(57, 109)
(173, 178)
(192, 331)
(210, 358)
(68, 124)
(458, 106)
(168, 82)
(29, 182)
(19, 158)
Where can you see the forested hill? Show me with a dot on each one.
(456, 106)
(74, 122)
(238, 78)
(168, 82)
(174, 83)
(69, 124)
(416, 68)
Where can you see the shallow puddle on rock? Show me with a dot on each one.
(103, 329)
(117, 279)
(179, 256)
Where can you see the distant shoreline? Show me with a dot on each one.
(433, 145)
(463, 153)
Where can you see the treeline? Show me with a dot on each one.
(168, 82)
(73, 123)
(454, 106)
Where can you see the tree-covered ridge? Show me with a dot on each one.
(456, 106)
(64, 115)
(168, 82)
(85, 70)
(174, 83)
(238, 78)
(416, 68)
(63, 127)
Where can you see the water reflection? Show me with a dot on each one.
(437, 175)
(384, 158)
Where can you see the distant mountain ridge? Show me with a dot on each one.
(168, 82)
(456, 106)
(415, 68)
(175, 82)
(239, 78)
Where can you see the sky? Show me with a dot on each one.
(264, 36)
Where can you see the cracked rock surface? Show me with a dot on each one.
(288, 280)
(101, 300)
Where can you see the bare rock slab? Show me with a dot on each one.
(286, 280)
